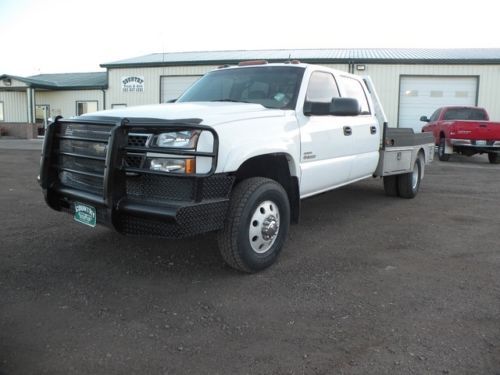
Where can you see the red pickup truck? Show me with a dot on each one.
(464, 130)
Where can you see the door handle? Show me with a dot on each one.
(347, 130)
(373, 129)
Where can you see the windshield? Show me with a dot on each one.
(465, 114)
(270, 86)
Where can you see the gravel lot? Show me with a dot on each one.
(366, 285)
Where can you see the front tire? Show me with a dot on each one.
(409, 183)
(441, 150)
(493, 158)
(256, 225)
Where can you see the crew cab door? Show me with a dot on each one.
(326, 141)
(365, 129)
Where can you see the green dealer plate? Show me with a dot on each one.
(85, 214)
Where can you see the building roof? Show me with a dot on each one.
(365, 55)
(64, 81)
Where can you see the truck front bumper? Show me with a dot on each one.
(131, 199)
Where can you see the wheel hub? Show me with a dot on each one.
(264, 226)
(269, 228)
(414, 177)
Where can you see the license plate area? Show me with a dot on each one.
(480, 143)
(85, 214)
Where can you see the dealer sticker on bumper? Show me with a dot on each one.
(85, 214)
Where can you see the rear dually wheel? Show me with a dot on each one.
(409, 183)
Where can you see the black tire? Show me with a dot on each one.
(441, 150)
(493, 158)
(407, 185)
(234, 243)
(391, 186)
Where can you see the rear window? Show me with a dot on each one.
(465, 114)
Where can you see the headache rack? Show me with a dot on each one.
(102, 161)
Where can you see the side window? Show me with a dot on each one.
(354, 89)
(435, 115)
(1, 111)
(322, 88)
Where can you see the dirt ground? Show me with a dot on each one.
(366, 284)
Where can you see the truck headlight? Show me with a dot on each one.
(172, 165)
(178, 139)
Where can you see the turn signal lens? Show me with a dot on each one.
(173, 165)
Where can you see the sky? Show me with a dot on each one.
(61, 36)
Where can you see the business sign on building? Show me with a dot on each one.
(133, 84)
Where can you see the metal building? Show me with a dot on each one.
(27, 103)
(410, 82)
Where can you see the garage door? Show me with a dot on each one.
(173, 86)
(421, 96)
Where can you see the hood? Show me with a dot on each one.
(212, 113)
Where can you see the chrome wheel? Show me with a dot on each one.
(414, 176)
(264, 226)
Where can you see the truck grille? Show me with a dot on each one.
(80, 152)
(136, 160)
(82, 156)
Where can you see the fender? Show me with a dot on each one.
(268, 136)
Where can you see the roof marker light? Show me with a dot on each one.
(253, 62)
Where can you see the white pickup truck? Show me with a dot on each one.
(235, 154)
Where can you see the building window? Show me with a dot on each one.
(86, 107)
(116, 106)
(461, 94)
(1, 111)
(411, 93)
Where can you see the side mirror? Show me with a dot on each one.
(171, 101)
(345, 107)
(337, 107)
(424, 119)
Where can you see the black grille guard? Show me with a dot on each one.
(115, 171)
